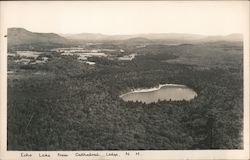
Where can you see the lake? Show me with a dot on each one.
(173, 92)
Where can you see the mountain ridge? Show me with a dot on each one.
(22, 38)
(154, 36)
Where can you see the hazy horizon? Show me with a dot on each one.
(127, 34)
(127, 18)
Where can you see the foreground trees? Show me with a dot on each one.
(77, 107)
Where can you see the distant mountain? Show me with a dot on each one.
(158, 36)
(136, 41)
(167, 37)
(172, 36)
(230, 37)
(23, 39)
(86, 36)
(96, 37)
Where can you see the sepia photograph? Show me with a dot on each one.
(142, 76)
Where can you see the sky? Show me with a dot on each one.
(124, 17)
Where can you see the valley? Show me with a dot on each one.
(65, 95)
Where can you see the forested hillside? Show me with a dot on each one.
(22, 39)
(65, 104)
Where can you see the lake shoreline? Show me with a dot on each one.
(143, 90)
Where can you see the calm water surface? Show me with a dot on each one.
(167, 92)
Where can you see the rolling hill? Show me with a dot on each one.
(23, 39)
(165, 37)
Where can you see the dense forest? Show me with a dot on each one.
(65, 104)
